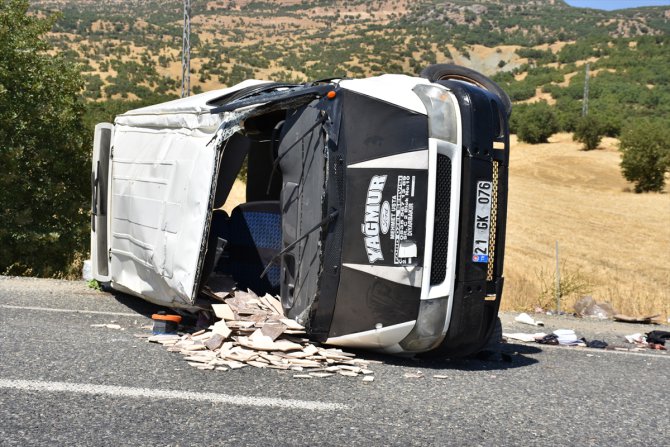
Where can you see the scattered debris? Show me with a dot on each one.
(597, 344)
(568, 337)
(416, 375)
(551, 339)
(649, 319)
(588, 307)
(652, 340)
(636, 338)
(440, 376)
(252, 331)
(522, 336)
(658, 337)
(527, 319)
(108, 326)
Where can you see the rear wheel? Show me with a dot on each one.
(444, 72)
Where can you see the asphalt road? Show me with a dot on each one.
(63, 382)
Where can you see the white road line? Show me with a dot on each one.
(123, 391)
(75, 311)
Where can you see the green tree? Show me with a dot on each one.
(645, 148)
(535, 123)
(43, 150)
(588, 132)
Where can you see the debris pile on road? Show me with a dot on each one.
(253, 331)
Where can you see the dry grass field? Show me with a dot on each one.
(614, 244)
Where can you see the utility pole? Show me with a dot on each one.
(585, 102)
(186, 52)
(558, 283)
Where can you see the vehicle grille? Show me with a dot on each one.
(438, 267)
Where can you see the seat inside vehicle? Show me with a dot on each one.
(241, 245)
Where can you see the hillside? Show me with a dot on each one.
(132, 49)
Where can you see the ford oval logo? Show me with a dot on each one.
(385, 217)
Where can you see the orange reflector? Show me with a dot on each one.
(173, 318)
(331, 94)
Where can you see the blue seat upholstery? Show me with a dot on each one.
(255, 239)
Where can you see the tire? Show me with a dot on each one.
(444, 72)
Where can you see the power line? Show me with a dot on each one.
(186, 52)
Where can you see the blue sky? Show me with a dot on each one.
(616, 4)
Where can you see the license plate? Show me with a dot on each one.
(480, 246)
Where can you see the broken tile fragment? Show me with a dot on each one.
(292, 324)
(273, 303)
(108, 326)
(223, 311)
(416, 375)
(221, 328)
(321, 374)
(197, 346)
(257, 364)
(273, 330)
(215, 342)
(162, 337)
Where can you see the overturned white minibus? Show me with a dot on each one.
(375, 208)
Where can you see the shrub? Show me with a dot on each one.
(645, 149)
(588, 132)
(535, 123)
(44, 150)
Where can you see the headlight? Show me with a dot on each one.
(442, 118)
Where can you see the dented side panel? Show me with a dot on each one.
(160, 190)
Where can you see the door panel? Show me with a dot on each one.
(161, 188)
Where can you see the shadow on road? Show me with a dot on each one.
(509, 356)
(136, 304)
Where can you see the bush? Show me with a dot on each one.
(535, 123)
(588, 132)
(44, 150)
(645, 148)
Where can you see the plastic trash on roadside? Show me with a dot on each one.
(527, 319)
(588, 307)
(567, 337)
